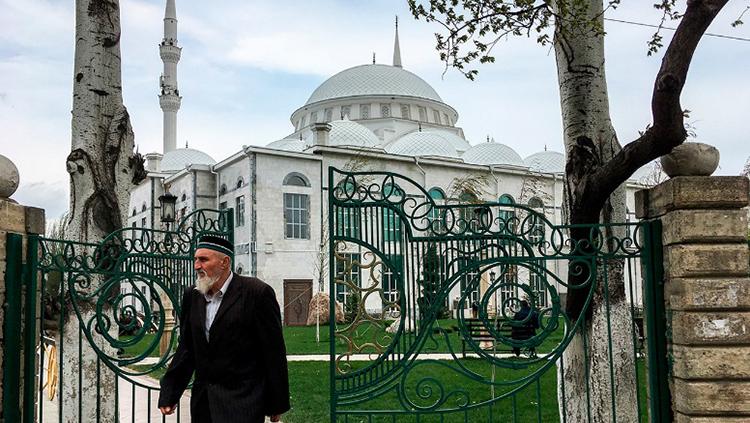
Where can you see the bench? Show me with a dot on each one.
(479, 333)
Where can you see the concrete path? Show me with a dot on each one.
(137, 404)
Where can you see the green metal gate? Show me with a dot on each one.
(109, 306)
(435, 328)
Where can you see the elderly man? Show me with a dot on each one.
(230, 336)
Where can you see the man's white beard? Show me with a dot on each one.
(205, 282)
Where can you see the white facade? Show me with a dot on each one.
(383, 116)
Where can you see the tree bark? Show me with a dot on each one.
(102, 168)
(597, 368)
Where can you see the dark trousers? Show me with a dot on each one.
(202, 412)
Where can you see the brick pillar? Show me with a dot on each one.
(707, 293)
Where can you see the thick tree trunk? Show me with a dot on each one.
(601, 352)
(102, 170)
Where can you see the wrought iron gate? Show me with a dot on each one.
(435, 295)
(109, 306)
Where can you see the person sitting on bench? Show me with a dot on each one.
(526, 322)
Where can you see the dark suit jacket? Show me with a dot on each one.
(241, 374)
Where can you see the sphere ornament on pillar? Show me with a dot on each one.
(8, 177)
(691, 159)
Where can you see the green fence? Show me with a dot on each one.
(437, 327)
(105, 310)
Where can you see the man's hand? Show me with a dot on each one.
(276, 418)
(167, 410)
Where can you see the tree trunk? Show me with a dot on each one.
(588, 366)
(102, 170)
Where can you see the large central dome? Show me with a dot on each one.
(368, 80)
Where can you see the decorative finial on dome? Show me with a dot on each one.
(493, 139)
(186, 144)
(420, 126)
(488, 137)
(300, 136)
(373, 57)
(545, 147)
(396, 49)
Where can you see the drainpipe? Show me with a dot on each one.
(195, 188)
(424, 174)
(253, 168)
(497, 182)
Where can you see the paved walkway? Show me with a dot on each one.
(138, 404)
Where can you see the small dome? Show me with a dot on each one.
(176, 160)
(423, 144)
(288, 144)
(346, 132)
(459, 143)
(546, 161)
(365, 80)
(491, 153)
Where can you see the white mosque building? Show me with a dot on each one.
(381, 114)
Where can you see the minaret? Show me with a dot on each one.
(169, 97)
(396, 49)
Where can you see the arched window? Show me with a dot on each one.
(507, 214)
(297, 180)
(134, 211)
(438, 197)
(143, 207)
(296, 208)
(536, 235)
(391, 219)
(184, 197)
(239, 269)
(240, 182)
(223, 189)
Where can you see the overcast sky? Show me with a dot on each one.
(247, 65)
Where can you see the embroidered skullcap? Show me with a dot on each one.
(217, 244)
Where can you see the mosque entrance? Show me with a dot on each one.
(456, 310)
(108, 313)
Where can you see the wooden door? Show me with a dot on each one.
(297, 296)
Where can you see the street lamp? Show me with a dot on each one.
(167, 201)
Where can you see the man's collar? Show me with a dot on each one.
(223, 289)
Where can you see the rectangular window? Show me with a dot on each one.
(328, 114)
(405, 111)
(509, 287)
(313, 118)
(239, 211)
(297, 216)
(346, 111)
(304, 121)
(392, 267)
(536, 283)
(132, 231)
(346, 274)
(469, 282)
(385, 110)
(423, 114)
(143, 222)
(436, 115)
(446, 119)
(364, 111)
(348, 222)
(391, 226)
(223, 205)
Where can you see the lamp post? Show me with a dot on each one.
(167, 201)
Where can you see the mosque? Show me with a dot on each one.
(379, 114)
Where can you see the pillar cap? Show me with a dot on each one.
(693, 192)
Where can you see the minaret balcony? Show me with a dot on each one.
(170, 53)
(170, 102)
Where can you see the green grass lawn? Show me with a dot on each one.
(310, 387)
(302, 339)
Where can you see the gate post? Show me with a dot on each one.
(706, 294)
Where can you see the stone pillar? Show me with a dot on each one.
(321, 133)
(707, 293)
(18, 219)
